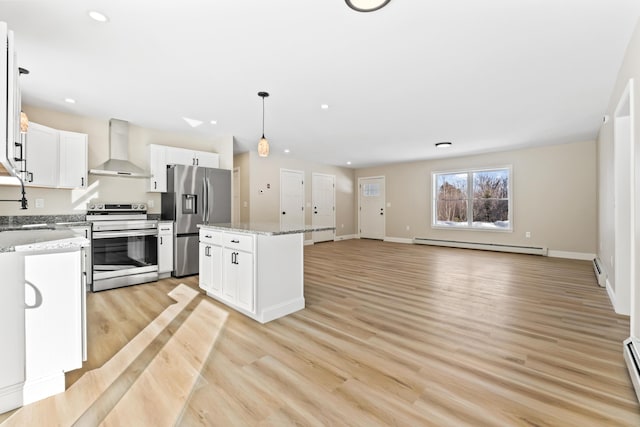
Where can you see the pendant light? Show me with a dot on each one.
(366, 5)
(263, 145)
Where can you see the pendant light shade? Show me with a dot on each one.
(366, 5)
(263, 145)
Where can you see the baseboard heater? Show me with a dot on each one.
(598, 270)
(631, 359)
(484, 246)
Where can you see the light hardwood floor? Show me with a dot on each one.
(392, 334)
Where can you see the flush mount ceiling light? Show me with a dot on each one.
(263, 145)
(443, 144)
(70, 100)
(366, 5)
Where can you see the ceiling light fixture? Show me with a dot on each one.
(214, 122)
(443, 144)
(263, 145)
(366, 5)
(348, 163)
(70, 100)
(97, 16)
(324, 106)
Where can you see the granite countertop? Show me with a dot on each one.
(30, 239)
(265, 228)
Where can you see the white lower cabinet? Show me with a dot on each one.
(211, 268)
(54, 321)
(257, 274)
(165, 248)
(238, 281)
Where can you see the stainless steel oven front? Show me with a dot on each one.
(124, 249)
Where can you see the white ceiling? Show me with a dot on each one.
(486, 75)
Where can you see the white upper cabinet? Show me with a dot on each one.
(56, 158)
(73, 160)
(42, 156)
(157, 168)
(162, 155)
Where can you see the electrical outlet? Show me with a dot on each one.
(150, 203)
(527, 234)
(39, 203)
(408, 228)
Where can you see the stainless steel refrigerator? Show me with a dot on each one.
(195, 195)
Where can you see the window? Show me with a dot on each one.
(371, 189)
(477, 199)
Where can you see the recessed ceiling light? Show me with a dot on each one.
(70, 100)
(287, 151)
(192, 122)
(348, 163)
(97, 16)
(214, 122)
(325, 106)
(445, 144)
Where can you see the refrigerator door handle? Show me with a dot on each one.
(209, 202)
(204, 200)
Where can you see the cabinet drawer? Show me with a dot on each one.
(211, 237)
(165, 228)
(241, 242)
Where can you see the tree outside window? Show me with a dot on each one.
(472, 199)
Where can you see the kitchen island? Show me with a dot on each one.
(255, 268)
(42, 311)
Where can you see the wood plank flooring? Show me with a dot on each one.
(392, 334)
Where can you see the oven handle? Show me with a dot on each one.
(124, 233)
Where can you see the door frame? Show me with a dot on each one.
(384, 223)
(624, 216)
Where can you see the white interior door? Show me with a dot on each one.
(236, 195)
(323, 195)
(371, 207)
(291, 198)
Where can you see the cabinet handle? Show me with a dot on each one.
(20, 157)
(234, 258)
(235, 241)
(155, 185)
(82, 181)
(30, 175)
(207, 236)
(207, 251)
(160, 239)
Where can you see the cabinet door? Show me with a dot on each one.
(179, 156)
(42, 156)
(238, 279)
(165, 247)
(157, 168)
(73, 160)
(211, 268)
(209, 160)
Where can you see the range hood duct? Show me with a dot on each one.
(118, 163)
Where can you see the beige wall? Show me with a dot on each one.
(241, 161)
(554, 197)
(60, 202)
(630, 69)
(265, 206)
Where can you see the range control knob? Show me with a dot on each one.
(134, 206)
(92, 206)
(142, 207)
(100, 206)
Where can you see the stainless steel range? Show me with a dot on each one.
(124, 244)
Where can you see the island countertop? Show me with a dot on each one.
(264, 228)
(39, 239)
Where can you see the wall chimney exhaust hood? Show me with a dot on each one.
(118, 163)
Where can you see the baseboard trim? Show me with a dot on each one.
(571, 255)
(399, 240)
(308, 242)
(277, 311)
(611, 293)
(11, 397)
(345, 237)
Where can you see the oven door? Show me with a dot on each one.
(124, 257)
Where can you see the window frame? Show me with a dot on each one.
(469, 226)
